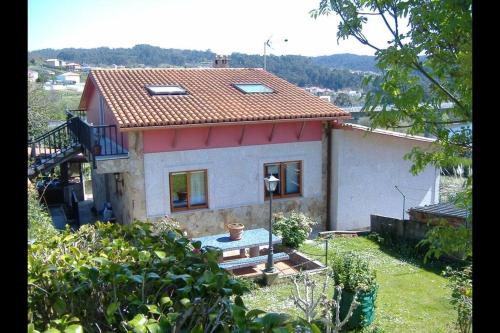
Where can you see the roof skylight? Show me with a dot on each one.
(253, 88)
(166, 90)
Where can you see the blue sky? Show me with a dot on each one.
(223, 26)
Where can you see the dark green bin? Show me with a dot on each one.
(364, 314)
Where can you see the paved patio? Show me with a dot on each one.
(285, 268)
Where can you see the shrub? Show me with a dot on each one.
(108, 274)
(142, 277)
(353, 272)
(461, 296)
(39, 221)
(358, 280)
(294, 228)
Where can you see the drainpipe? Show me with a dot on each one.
(328, 174)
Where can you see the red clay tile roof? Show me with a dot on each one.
(211, 97)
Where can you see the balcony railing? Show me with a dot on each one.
(100, 141)
(81, 113)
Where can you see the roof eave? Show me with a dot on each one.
(233, 123)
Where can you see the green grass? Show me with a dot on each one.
(411, 298)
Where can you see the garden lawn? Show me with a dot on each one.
(410, 298)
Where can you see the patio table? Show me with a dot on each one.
(250, 239)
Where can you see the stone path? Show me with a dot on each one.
(58, 217)
(86, 215)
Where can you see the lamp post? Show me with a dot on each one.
(271, 183)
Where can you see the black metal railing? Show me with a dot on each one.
(74, 209)
(82, 131)
(103, 140)
(52, 144)
(109, 140)
(81, 113)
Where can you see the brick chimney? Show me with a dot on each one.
(221, 61)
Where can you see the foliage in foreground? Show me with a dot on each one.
(39, 222)
(142, 278)
(461, 296)
(453, 241)
(294, 227)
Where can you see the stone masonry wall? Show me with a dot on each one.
(398, 229)
(134, 196)
(208, 222)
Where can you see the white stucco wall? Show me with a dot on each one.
(235, 175)
(365, 168)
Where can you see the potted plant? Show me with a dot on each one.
(97, 149)
(294, 228)
(353, 273)
(235, 230)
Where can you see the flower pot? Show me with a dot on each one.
(235, 230)
(364, 314)
(97, 149)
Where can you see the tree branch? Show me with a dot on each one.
(417, 63)
(361, 38)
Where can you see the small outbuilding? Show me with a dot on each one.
(433, 214)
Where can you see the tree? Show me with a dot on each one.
(41, 109)
(343, 99)
(424, 64)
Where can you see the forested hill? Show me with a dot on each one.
(348, 61)
(326, 71)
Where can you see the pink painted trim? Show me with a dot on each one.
(166, 140)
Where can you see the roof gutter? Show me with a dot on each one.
(232, 123)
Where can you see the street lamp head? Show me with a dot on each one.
(271, 183)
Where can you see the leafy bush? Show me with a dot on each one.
(444, 239)
(39, 221)
(143, 277)
(353, 272)
(461, 296)
(294, 228)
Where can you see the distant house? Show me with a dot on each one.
(73, 66)
(317, 90)
(354, 93)
(326, 98)
(69, 78)
(32, 75)
(53, 62)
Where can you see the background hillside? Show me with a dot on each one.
(333, 72)
(348, 61)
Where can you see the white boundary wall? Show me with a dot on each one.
(365, 168)
(235, 175)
